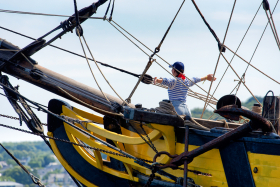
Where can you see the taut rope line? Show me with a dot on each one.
(42, 14)
(91, 69)
(240, 79)
(156, 61)
(101, 71)
(149, 50)
(236, 51)
(252, 65)
(157, 49)
(221, 49)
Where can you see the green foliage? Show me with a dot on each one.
(7, 178)
(11, 161)
(41, 160)
(1, 158)
(35, 163)
(51, 172)
(251, 101)
(39, 153)
(19, 175)
(48, 159)
(196, 113)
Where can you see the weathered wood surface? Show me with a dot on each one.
(212, 123)
(168, 119)
(164, 119)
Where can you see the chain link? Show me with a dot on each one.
(150, 142)
(93, 148)
(152, 176)
(16, 118)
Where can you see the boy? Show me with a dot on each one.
(177, 92)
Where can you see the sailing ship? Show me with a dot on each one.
(130, 145)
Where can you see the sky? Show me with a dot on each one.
(188, 41)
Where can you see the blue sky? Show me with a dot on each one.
(188, 41)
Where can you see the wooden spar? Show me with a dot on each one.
(51, 81)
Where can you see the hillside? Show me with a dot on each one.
(196, 113)
(34, 155)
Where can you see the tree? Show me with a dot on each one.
(11, 162)
(1, 157)
(7, 178)
(48, 159)
(35, 163)
(19, 174)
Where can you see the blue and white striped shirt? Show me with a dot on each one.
(176, 90)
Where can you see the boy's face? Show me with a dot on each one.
(174, 72)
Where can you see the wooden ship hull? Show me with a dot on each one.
(252, 160)
(119, 150)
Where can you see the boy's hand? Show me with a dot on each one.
(210, 77)
(155, 80)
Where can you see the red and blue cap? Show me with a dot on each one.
(178, 65)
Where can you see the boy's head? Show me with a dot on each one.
(178, 66)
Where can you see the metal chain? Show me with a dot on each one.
(151, 144)
(16, 118)
(66, 141)
(152, 176)
(94, 148)
(147, 142)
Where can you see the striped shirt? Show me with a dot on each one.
(176, 90)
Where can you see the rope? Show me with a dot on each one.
(218, 59)
(179, 80)
(151, 51)
(34, 179)
(240, 79)
(109, 65)
(27, 59)
(77, 17)
(159, 45)
(259, 41)
(90, 106)
(59, 117)
(101, 71)
(166, 108)
(42, 14)
(255, 52)
(9, 50)
(252, 65)
(128, 100)
(21, 102)
(191, 94)
(225, 123)
(104, 18)
(157, 49)
(112, 10)
(236, 50)
(156, 61)
(195, 125)
(257, 109)
(91, 69)
(273, 28)
(209, 27)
